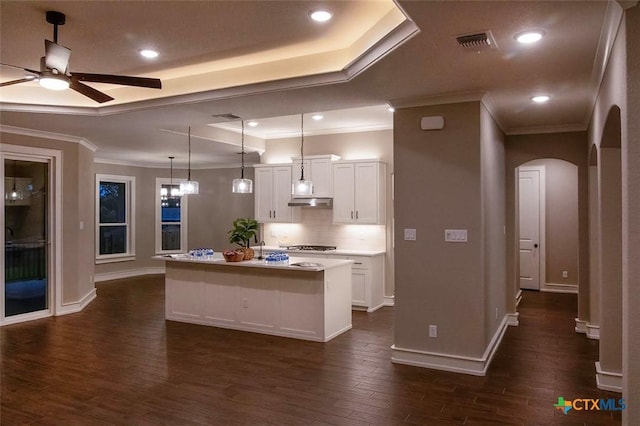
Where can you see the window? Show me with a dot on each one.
(115, 212)
(171, 218)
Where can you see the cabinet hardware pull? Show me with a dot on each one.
(356, 214)
(351, 214)
(357, 263)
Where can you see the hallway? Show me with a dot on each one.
(119, 362)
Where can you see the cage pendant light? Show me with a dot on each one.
(242, 185)
(189, 186)
(302, 187)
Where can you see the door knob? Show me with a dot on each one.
(535, 246)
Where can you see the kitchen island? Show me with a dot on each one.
(310, 302)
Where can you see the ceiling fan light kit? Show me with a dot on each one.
(54, 70)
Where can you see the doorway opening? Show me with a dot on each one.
(547, 206)
(32, 233)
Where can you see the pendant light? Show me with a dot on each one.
(302, 187)
(189, 186)
(242, 185)
(14, 194)
(170, 197)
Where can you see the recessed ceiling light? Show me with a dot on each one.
(320, 15)
(529, 37)
(317, 117)
(252, 123)
(148, 53)
(540, 99)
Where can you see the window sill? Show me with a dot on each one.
(123, 258)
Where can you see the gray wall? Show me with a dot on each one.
(492, 147)
(437, 187)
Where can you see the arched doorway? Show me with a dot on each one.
(548, 224)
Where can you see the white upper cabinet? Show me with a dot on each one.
(273, 193)
(359, 192)
(317, 169)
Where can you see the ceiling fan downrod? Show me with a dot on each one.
(55, 18)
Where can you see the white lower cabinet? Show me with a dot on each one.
(367, 280)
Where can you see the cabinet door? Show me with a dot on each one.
(263, 194)
(343, 194)
(367, 193)
(281, 194)
(321, 176)
(359, 287)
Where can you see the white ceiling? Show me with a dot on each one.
(265, 60)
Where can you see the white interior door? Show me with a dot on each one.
(529, 220)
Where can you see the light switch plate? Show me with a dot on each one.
(455, 235)
(409, 234)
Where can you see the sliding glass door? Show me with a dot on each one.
(26, 248)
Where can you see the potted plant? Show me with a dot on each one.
(241, 233)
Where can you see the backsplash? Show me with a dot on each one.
(316, 227)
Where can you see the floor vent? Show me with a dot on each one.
(477, 41)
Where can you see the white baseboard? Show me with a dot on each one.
(15, 319)
(560, 288)
(108, 276)
(512, 319)
(518, 297)
(608, 380)
(581, 326)
(73, 307)
(389, 301)
(593, 331)
(446, 362)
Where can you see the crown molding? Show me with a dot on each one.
(441, 99)
(48, 135)
(610, 26)
(351, 129)
(154, 165)
(546, 129)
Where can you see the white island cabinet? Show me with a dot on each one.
(309, 303)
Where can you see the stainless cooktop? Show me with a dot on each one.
(311, 247)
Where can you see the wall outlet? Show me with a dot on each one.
(245, 303)
(433, 331)
(565, 274)
(496, 313)
(455, 235)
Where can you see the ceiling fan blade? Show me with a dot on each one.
(21, 68)
(22, 80)
(153, 83)
(56, 57)
(90, 92)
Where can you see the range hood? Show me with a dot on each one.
(319, 202)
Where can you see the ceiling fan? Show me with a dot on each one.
(54, 70)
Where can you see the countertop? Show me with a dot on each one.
(337, 252)
(218, 259)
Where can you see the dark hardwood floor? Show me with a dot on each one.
(119, 362)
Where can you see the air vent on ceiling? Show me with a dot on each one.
(227, 116)
(477, 41)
